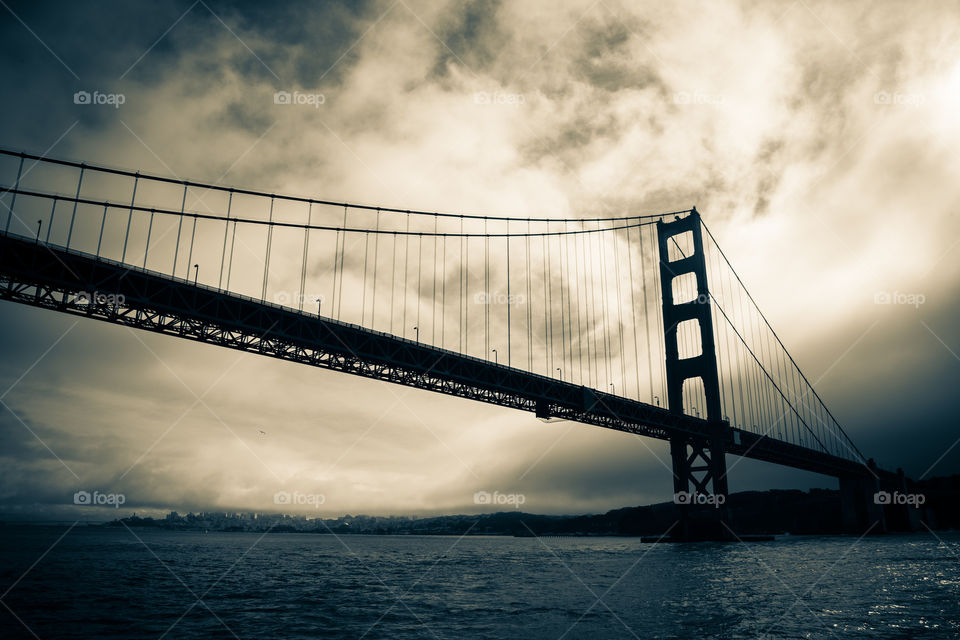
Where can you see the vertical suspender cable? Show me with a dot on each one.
(543, 258)
(339, 271)
(443, 294)
(575, 263)
(176, 248)
(406, 268)
(591, 290)
(226, 229)
(566, 328)
(563, 276)
(193, 237)
(633, 311)
(509, 298)
(123, 256)
(572, 286)
(774, 354)
(486, 289)
(376, 260)
(303, 260)
(419, 280)
(433, 288)
(768, 390)
(661, 328)
(646, 313)
(581, 261)
(149, 233)
(528, 302)
(53, 211)
(723, 335)
(753, 395)
(73, 216)
(605, 302)
(393, 277)
(616, 275)
(759, 391)
(573, 301)
(103, 222)
(266, 262)
(590, 300)
(549, 337)
(743, 410)
(722, 338)
(771, 386)
(363, 296)
(13, 199)
(761, 384)
(607, 356)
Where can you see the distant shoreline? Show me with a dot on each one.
(773, 512)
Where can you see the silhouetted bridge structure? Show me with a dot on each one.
(534, 321)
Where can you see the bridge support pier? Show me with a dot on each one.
(900, 515)
(860, 512)
(700, 488)
(879, 501)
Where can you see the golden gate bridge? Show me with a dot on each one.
(636, 323)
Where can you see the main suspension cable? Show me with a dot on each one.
(291, 198)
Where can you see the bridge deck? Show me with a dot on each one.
(50, 277)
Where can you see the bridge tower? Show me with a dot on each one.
(699, 461)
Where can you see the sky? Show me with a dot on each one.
(818, 140)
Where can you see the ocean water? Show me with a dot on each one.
(119, 583)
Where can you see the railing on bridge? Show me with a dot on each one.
(574, 299)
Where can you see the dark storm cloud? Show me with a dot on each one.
(472, 35)
(899, 381)
(119, 47)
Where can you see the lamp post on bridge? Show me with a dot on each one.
(417, 329)
(560, 372)
(495, 357)
(613, 389)
(319, 306)
(657, 400)
(196, 274)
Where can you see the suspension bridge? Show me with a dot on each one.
(636, 323)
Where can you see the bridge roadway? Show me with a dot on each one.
(51, 277)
